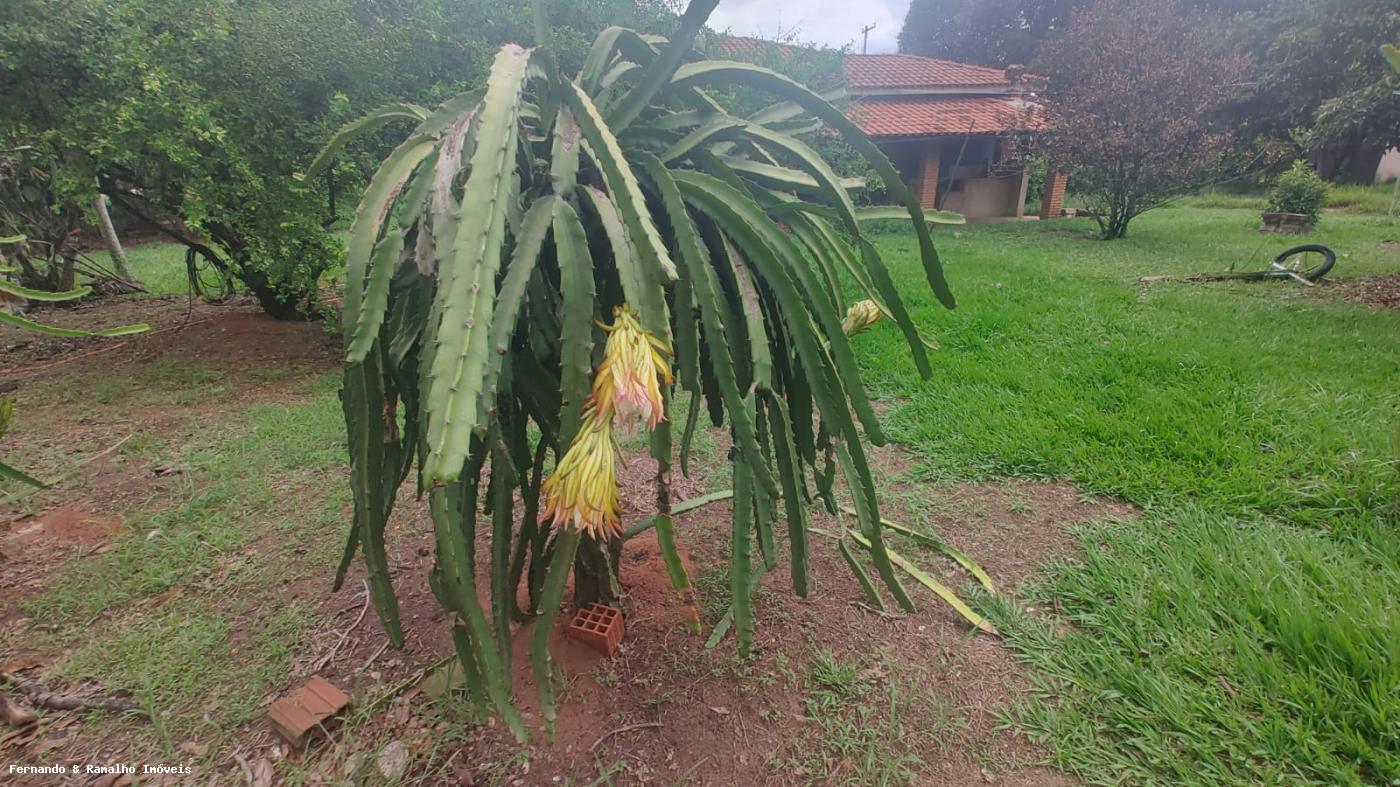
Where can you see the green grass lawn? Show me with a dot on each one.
(185, 608)
(1348, 198)
(1247, 627)
(160, 266)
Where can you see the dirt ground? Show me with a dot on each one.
(1381, 291)
(662, 711)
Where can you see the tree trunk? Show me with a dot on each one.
(596, 572)
(1117, 225)
(279, 304)
(67, 274)
(113, 243)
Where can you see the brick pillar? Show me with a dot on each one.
(1052, 194)
(928, 174)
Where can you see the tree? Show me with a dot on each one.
(138, 100)
(49, 258)
(1320, 79)
(1327, 74)
(191, 115)
(1131, 89)
(995, 33)
(546, 259)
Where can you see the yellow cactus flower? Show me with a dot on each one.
(634, 364)
(582, 491)
(860, 316)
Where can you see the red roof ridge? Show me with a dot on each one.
(752, 46)
(897, 72)
(901, 70)
(990, 70)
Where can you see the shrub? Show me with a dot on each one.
(1299, 190)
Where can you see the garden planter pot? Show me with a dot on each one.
(1286, 222)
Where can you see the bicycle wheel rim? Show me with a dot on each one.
(1310, 261)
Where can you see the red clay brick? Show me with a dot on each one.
(599, 627)
(301, 711)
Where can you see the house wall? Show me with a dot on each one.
(988, 198)
(951, 173)
(970, 189)
(907, 157)
(1389, 168)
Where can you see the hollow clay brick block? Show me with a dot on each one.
(301, 711)
(599, 627)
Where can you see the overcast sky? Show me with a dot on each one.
(830, 22)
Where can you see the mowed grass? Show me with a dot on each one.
(1245, 628)
(160, 266)
(1349, 198)
(184, 608)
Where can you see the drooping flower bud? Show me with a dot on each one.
(634, 366)
(582, 491)
(860, 316)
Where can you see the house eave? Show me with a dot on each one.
(880, 138)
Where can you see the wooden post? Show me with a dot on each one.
(1052, 194)
(928, 174)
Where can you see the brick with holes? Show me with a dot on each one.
(599, 627)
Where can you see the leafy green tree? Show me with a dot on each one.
(1326, 76)
(193, 114)
(985, 32)
(135, 97)
(1320, 81)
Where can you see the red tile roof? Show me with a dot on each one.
(919, 116)
(956, 98)
(749, 49)
(866, 72)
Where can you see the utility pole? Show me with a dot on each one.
(865, 37)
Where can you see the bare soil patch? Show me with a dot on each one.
(663, 709)
(1380, 291)
(234, 334)
(53, 381)
(31, 545)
